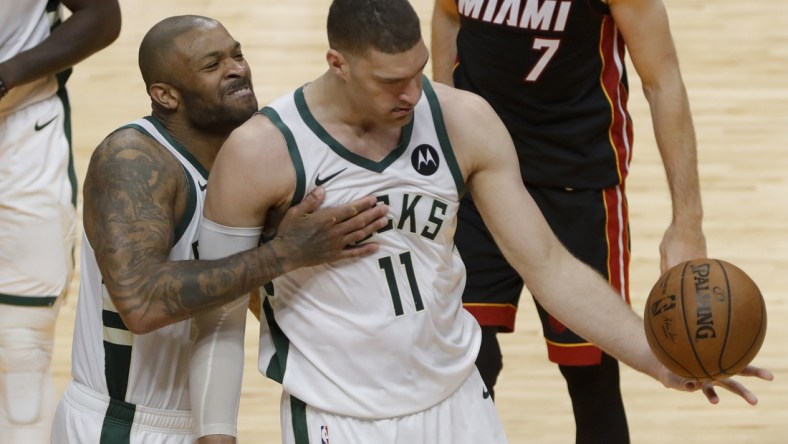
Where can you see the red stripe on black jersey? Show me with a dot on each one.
(612, 52)
(617, 240)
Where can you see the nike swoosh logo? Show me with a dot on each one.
(319, 181)
(40, 127)
(203, 186)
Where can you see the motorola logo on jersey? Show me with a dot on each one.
(425, 160)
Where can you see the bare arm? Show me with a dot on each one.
(131, 196)
(445, 26)
(92, 25)
(644, 26)
(570, 290)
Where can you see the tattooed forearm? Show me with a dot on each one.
(135, 196)
(178, 290)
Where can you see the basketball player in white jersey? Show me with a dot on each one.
(38, 194)
(380, 350)
(143, 198)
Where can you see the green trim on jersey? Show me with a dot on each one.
(180, 148)
(62, 94)
(117, 342)
(112, 319)
(298, 418)
(117, 361)
(443, 137)
(27, 301)
(118, 420)
(292, 148)
(278, 363)
(52, 8)
(191, 205)
(340, 149)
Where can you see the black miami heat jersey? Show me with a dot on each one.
(554, 71)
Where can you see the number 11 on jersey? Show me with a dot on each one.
(387, 265)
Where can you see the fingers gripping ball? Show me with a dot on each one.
(705, 319)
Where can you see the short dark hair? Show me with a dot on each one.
(389, 26)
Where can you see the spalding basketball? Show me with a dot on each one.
(705, 319)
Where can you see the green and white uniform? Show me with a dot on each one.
(37, 225)
(121, 378)
(377, 349)
(386, 335)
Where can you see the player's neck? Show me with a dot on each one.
(203, 145)
(356, 130)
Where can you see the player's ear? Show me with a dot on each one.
(165, 95)
(337, 63)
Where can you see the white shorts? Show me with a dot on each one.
(466, 417)
(37, 211)
(84, 416)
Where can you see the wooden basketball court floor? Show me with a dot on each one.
(734, 57)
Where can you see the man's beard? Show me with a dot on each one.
(220, 118)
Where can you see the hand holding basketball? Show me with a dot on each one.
(705, 319)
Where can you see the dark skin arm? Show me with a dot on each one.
(134, 195)
(92, 26)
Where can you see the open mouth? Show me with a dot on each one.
(240, 91)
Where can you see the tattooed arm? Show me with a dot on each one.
(134, 196)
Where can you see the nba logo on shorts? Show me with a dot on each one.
(324, 434)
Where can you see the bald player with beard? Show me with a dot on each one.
(143, 197)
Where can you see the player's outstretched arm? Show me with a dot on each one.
(570, 290)
(645, 28)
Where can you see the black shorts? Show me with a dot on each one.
(592, 224)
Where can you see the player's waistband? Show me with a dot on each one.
(171, 421)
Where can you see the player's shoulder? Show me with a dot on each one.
(476, 132)
(463, 110)
(126, 140)
(451, 95)
(126, 146)
(257, 141)
(257, 126)
(460, 102)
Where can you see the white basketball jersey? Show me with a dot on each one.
(23, 25)
(385, 335)
(151, 369)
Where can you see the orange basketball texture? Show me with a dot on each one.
(705, 319)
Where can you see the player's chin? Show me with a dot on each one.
(241, 107)
(402, 113)
(401, 116)
(247, 103)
